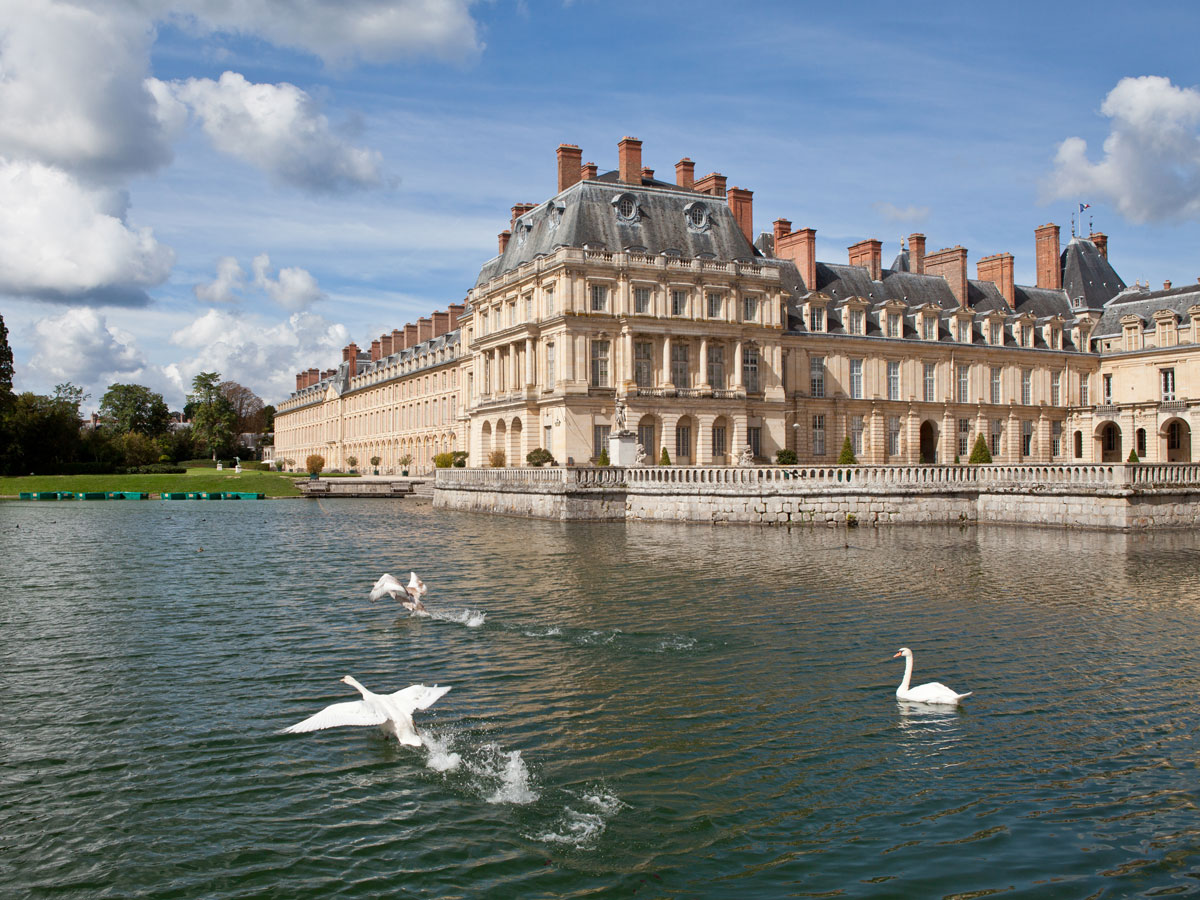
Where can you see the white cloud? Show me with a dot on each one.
(263, 357)
(1150, 170)
(230, 279)
(893, 213)
(79, 346)
(294, 289)
(62, 240)
(370, 30)
(278, 128)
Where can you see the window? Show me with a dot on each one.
(1083, 390)
(1110, 438)
(856, 379)
(683, 442)
(483, 322)
(856, 435)
(754, 439)
(716, 367)
(750, 369)
(964, 437)
(1108, 395)
(856, 321)
(646, 439)
(930, 382)
(893, 436)
(512, 314)
(816, 318)
(1026, 386)
(893, 325)
(718, 440)
(1079, 445)
(1056, 439)
(1174, 436)
(1027, 438)
(1140, 437)
(679, 303)
(547, 436)
(1167, 378)
(550, 373)
(964, 332)
(680, 377)
(1056, 338)
(1055, 389)
(997, 331)
(697, 215)
(599, 363)
(816, 376)
(749, 309)
(994, 438)
(964, 384)
(715, 305)
(995, 384)
(1026, 335)
(643, 364)
(549, 301)
(626, 208)
(930, 327)
(529, 308)
(641, 300)
(893, 380)
(818, 435)
(599, 439)
(599, 298)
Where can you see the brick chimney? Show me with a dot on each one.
(869, 255)
(629, 154)
(314, 375)
(424, 329)
(519, 210)
(569, 159)
(712, 183)
(741, 202)
(783, 228)
(352, 357)
(345, 353)
(1167, 285)
(301, 379)
(455, 311)
(410, 335)
(998, 269)
(397, 340)
(951, 264)
(376, 351)
(916, 253)
(385, 345)
(502, 238)
(1100, 239)
(685, 173)
(647, 173)
(801, 248)
(441, 323)
(587, 172)
(328, 373)
(1049, 268)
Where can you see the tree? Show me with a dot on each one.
(132, 407)
(268, 418)
(785, 457)
(846, 457)
(247, 408)
(314, 464)
(6, 368)
(980, 455)
(1133, 457)
(603, 460)
(539, 456)
(352, 461)
(665, 459)
(213, 418)
(43, 432)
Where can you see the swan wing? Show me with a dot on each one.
(387, 584)
(354, 712)
(418, 696)
(416, 587)
(933, 692)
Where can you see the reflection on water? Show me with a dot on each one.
(651, 709)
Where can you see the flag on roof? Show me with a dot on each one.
(1083, 206)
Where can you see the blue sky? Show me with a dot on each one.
(186, 187)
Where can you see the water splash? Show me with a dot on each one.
(506, 774)
(441, 758)
(581, 827)
(472, 618)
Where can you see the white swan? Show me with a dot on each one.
(933, 692)
(412, 593)
(392, 711)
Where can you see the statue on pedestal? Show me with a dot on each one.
(619, 416)
(640, 458)
(747, 456)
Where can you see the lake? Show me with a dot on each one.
(636, 710)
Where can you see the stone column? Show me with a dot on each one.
(530, 364)
(737, 367)
(666, 363)
(702, 380)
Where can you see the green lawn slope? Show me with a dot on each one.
(268, 483)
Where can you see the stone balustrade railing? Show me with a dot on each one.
(800, 478)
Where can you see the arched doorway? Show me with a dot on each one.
(685, 441)
(929, 442)
(1177, 435)
(1109, 436)
(1079, 445)
(721, 435)
(515, 456)
(647, 431)
(502, 441)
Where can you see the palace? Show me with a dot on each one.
(722, 343)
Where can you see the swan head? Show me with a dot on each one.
(905, 652)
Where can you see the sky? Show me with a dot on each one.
(245, 187)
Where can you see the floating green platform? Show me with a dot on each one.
(176, 495)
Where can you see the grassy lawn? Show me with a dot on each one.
(268, 483)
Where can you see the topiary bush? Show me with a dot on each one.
(847, 457)
(603, 460)
(1133, 457)
(785, 457)
(665, 459)
(314, 464)
(980, 455)
(443, 460)
(539, 456)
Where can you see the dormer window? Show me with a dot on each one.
(996, 334)
(626, 207)
(929, 327)
(697, 216)
(856, 321)
(1026, 335)
(816, 318)
(964, 332)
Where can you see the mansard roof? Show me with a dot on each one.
(586, 215)
(1088, 280)
(1145, 303)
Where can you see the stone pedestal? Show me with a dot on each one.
(622, 448)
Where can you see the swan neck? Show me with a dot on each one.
(908, 663)
(353, 682)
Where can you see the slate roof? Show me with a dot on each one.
(1140, 302)
(1088, 280)
(585, 215)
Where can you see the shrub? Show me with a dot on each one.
(785, 457)
(539, 456)
(1133, 457)
(846, 457)
(443, 460)
(665, 459)
(314, 464)
(405, 461)
(980, 455)
(460, 459)
(153, 469)
(375, 460)
(603, 459)
(497, 459)
(352, 461)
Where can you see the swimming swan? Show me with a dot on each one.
(412, 593)
(933, 692)
(392, 711)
